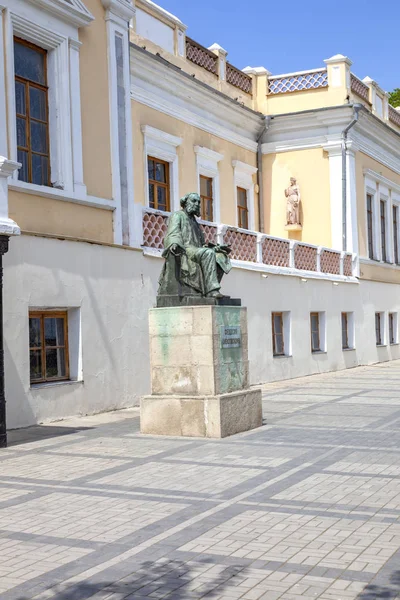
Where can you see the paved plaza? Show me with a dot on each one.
(308, 506)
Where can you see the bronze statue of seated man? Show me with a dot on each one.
(192, 267)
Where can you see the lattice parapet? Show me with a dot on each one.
(275, 252)
(239, 79)
(347, 265)
(330, 262)
(359, 88)
(210, 233)
(298, 82)
(394, 116)
(201, 56)
(154, 229)
(243, 245)
(305, 257)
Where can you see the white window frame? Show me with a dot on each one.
(382, 328)
(207, 165)
(243, 178)
(395, 327)
(65, 134)
(384, 197)
(322, 332)
(162, 145)
(371, 189)
(395, 203)
(351, 330)
(287, 333)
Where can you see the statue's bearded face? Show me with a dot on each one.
(193, 205)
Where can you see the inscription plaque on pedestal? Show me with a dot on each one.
(231, 336)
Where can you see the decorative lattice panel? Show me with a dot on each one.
(210, 233)
(244, 245)
(394, 116)
(239, 79)
(298, 83)
(330, 262)
(154, 230)
(347, 265)
(275, 252)
(359, 88)
(201, 56)
(305, 257)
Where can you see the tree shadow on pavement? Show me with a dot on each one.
(380, 592)
(170, 580)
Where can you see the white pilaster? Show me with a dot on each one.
(7, 225)
(351, 188)
(335, 177)
(3, 110)
(76, 123)
(118, 15)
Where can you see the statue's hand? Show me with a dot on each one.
(176, 250)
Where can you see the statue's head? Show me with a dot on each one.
(292, 180)
(191, 204)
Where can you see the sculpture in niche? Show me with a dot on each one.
(292, 194)
(192, 267)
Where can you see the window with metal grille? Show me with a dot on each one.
(243, 213)
(315, 333)
(370, 224)
(32, 114)
(396, 234)
(393, 328)
(159, 188)
(378, 329)
(345, 331)
(206, 195)
(48, 346)
(278, 342)
(383, 230)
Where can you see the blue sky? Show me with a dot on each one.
(286, 36)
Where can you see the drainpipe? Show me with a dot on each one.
(356, 108)
(266, 123)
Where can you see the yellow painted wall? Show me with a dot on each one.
(305, 100)
(95, 104)
(142, 115)
(45, 215)
(377, 273)
(311, 169)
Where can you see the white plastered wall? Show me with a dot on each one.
(114, 288)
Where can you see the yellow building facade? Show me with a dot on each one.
(110, 113)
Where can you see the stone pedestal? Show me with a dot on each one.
(295, 227)
(199, 373)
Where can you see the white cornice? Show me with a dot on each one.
(7, 167)
(207, 153)
(162, 136)
(120, 8)
(242, 167)
(165, 89)
(161, 12)
(74, 12)
(378, 177)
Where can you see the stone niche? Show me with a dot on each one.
(199, 373)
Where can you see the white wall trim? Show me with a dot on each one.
(162, 145)
(243, 177)
(171, 92)
(74, 12)
(207, 164)
(381, 179)
(55, 194)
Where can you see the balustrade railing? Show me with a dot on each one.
(394, 116)
(298, 82)
(256, 248)
(358, 87)
(201, 56)
(239, 79)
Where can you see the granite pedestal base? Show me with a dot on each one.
(201, 416)
(199, 373)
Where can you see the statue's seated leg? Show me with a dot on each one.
(170, 283)
(208, 262)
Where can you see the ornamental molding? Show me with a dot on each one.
(123, 9)
(7, 167)
(392, 185)
(161, 136)
(211, 155)
(241, 167)
(166, 89)
(70, 11)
